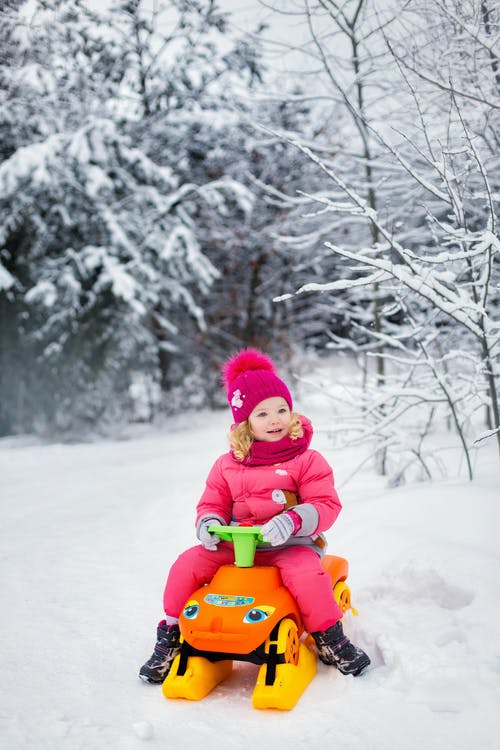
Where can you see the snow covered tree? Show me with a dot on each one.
(101, 257)
(348, 77)
(187, 115)
(254, 263)
(429, 254)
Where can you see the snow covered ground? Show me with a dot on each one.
(88, 532)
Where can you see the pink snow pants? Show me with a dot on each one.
(300, 569)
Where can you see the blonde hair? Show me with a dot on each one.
(241, 437)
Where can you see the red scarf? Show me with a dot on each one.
(262, 453)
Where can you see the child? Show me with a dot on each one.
(269, 478)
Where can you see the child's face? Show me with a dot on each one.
(270, 419)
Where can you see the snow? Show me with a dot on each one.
(89, 531)
(6, 278)
(44, 292)
(33, 162)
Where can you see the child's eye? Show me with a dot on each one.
(262, 414)
(282, 410)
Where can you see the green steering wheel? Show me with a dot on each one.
(244, 539)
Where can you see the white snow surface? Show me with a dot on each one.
(88, 534)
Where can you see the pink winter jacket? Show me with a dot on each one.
(240, 494)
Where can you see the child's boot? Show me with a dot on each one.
(335, 648)
(166, 649)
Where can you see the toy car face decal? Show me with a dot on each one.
(258, 614)
(191, 609)
(228, 600)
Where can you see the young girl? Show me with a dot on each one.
(269, 478)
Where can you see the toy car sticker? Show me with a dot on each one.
(229, 600)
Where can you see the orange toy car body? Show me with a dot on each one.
(247, 614)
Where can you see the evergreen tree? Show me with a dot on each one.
(101, 260)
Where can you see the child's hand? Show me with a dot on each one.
(278, 529)
(208, 540)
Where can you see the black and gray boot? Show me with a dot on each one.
(166, 649)
(335, 648)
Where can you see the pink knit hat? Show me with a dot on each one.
(250, 377)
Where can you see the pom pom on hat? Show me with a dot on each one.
(249, 378)
(245, 360)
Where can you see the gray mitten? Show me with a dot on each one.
(278, 529)
(209, 541)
